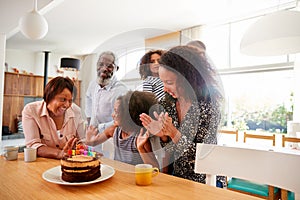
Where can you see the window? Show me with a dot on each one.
(260, 100)
(129, 71)
(259, 90)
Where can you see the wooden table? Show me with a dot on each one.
(21, 180)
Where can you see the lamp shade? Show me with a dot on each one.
(70, 63)
(274, 34)
(33, 25)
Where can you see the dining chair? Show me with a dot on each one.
(255, 165)
(288, 195)
(289, 139)
(259, 137)
(252, 188)
(231, 132)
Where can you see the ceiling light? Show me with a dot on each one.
(33, 25)
(274, 34)
(70, 64)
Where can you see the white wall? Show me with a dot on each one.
(88, 73)
(22, 60)
(33, 62)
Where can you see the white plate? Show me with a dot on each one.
(53, 175)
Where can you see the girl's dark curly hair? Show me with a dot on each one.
(197, 78)
(132, 104)
(144, 64)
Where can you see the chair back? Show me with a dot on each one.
(260, 137)
(289, 139)
(262, 166)
(231, 132)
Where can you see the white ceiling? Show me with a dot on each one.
(79, 27)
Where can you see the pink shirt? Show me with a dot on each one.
(40, 129)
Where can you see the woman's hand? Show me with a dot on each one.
(68, 146)
(162, 127)
(170, 130)
(152, 125)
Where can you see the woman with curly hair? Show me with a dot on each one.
(148, 68)
(192, 109)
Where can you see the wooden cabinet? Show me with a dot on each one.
(19, 89)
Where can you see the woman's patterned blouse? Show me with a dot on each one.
(199, 125)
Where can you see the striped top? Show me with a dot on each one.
(154, 85)
(126, 149)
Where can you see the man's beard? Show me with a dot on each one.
(104, 80)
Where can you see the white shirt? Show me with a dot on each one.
(100, 101)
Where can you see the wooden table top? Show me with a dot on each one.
(21, 180)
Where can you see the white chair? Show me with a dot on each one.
(289, 139)
(287, 195)
(250, 187)
(262, 166)
(258, 138)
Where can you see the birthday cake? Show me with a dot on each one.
(80, 166)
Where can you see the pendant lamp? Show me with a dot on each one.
(72, 64)
(33, 25)
(272, 35)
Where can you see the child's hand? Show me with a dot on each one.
(142, 140)
(91, 135)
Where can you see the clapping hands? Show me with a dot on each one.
(159, 126)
